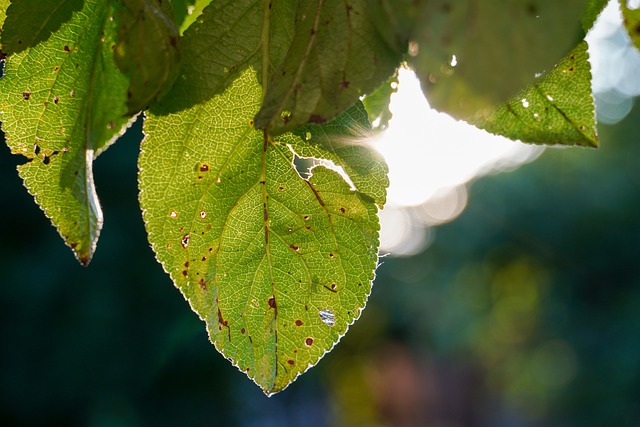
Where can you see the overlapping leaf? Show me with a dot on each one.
(31, 22)
(631, 19)
(556, 110)
(472, 55)
(276, 265)
(337, 55)
(62, 102)
(147, 50)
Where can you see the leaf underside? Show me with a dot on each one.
(277, 266)
(62, 113)
(557, 110)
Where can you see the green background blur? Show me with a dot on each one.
(525, 311)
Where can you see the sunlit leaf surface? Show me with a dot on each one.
(336, 56)
(556, 110)
(278, 266)
(61, 113)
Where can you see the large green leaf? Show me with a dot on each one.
(61, 113)
(277, 266)
(337, 55)
(556, 110)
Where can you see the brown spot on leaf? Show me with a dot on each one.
(203, 284)
(66, 48)
(291, 362)
(298, 322)
(204, 167)
(26, 95)
(272, 302)
(294, 247)
(308, 342)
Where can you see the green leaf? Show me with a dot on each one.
(4, 4)
(335, 57)
(147, 51)
(228, 37)
(30, 22)
(277, 266)
(557, 110)
(631, 19)
(61, 114)
(472, 55)
(377, 102)
(591, 13)
(187, 11)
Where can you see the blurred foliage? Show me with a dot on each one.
(524, 312)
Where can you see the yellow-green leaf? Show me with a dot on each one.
(556, 110)
(61, 113)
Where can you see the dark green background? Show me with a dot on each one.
(439, 344)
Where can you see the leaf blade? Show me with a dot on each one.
(557, 110)
(61, 115)
(355, 60)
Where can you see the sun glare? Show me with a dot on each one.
(432, 157)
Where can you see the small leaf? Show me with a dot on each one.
(61, 114)
(30, 22)
(277, 266)
(556, 110)
(335, 57)
(147, 51)
(631, 19)
(377, 103)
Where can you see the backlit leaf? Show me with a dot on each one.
(377, 102)
(61, 114)
(557, 110)
(277, 266)
(336, 56)
(472, 55)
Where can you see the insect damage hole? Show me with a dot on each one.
(327, 317)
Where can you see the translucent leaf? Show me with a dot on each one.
(276, 265)
(472, 55)
(30, 22)
(557, 110)
(377, 103)
(187, 11)
(147, 50)
(228, 36)
(61, 114)
(336, 56)
(631, 19)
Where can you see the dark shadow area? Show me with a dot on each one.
(30, 22)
